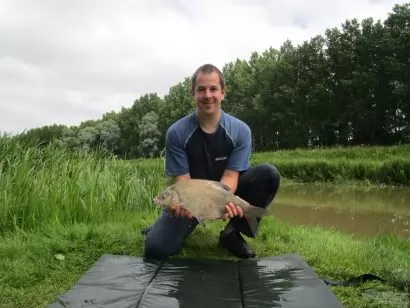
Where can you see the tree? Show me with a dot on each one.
(88, 138)
(149, 135)
(109, 136)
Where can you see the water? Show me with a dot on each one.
(360, 211)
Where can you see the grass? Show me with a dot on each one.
(82, 206)
(33, 277)
(372, 165)
(374, 153)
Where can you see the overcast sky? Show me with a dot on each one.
(68, 61)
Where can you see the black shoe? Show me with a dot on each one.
(235, 244)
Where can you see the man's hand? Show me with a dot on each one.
(232, 211)
(178, 211)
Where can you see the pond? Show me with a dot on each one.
(357, 210)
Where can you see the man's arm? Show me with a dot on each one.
(239, 158)
(230, 178)
(176, 160)
(182, 177)
(238, 161)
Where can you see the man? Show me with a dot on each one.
(210, 144)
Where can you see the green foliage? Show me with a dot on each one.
(104, 136)
(377, 165)
(42, 135)
(52, 185)
(149, 135)
(130, 119)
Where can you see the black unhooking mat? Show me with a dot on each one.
(125, 282)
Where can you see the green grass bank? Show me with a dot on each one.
(372, 165)
(83, 206)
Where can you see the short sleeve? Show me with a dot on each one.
(176, 161)
(239, 158)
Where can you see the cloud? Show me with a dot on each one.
(66, 62)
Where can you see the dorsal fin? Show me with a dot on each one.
(224, 186)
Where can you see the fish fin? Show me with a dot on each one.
(251, 216)
(254, 211)
(253, 224)
(224, 186)
(201, 222)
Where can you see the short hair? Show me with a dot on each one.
(207, 68)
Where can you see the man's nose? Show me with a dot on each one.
(208, 93)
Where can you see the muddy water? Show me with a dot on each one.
(360, 211)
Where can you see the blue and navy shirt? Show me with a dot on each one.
(188, 149)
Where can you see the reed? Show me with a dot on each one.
(42, 185)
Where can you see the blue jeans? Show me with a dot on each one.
(257, 185)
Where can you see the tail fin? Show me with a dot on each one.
(249, 209)
(254, 211)
(251, 213)
(253, 225)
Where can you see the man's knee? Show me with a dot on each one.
(271, 175)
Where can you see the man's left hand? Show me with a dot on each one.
(232, 211)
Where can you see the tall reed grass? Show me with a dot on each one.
(42, 185)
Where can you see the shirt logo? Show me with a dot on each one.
(221, 158)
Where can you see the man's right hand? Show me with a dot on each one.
(178, 211)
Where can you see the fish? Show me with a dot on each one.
(207, 200)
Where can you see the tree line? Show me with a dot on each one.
(349, 86)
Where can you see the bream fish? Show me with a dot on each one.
(206, 199)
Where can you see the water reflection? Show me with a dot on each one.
(360, 211)
(194, 283)
(281, 281)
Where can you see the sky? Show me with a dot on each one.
(64, 62)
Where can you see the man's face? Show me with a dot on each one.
(208, 93)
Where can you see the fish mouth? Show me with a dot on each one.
(155, 200)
